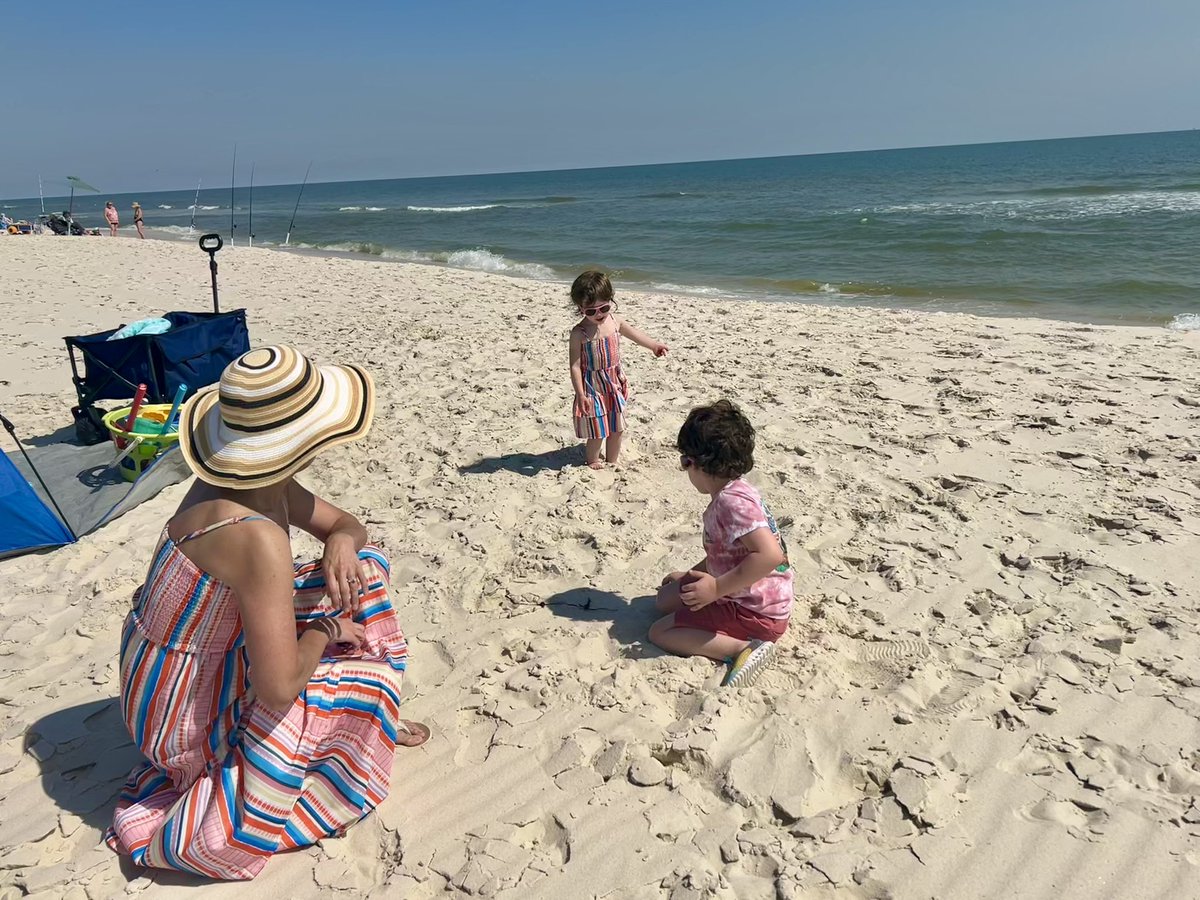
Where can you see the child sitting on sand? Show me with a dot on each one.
(735, 603)
(601, 390)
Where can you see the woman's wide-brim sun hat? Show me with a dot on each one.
(271, 413)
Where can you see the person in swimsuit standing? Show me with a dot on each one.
(112, 217)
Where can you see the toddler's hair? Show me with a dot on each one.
(591, 289)
(719, 439)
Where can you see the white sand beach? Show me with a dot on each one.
(991, 683)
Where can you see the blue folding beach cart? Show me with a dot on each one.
(195, 351)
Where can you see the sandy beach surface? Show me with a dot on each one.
(990, 687)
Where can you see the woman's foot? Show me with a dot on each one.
(411, 734)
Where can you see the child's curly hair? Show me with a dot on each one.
(591, 288)
(719, 439)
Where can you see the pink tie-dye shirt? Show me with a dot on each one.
(731, 515)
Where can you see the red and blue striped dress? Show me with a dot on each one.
(605, 387)
(227, 781)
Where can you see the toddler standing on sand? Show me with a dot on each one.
(735, 603)
(601, 390)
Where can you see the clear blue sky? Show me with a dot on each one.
(144, 96)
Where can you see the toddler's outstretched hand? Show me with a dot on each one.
(698, 590)
(659, 349)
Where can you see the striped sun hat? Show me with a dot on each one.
(271, 413)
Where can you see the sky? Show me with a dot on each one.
(137, 96)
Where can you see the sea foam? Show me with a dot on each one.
(1185, 322)
(1057, 207)
(487, 261)
(690, 289)
(179, 231)
(478, 259)
(451, 208)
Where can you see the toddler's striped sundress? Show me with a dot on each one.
(605, 389)
(228, 781)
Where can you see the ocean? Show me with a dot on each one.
(1102, 229)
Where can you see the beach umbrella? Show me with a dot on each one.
(82, 185)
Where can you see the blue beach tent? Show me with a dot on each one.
(26, 524)
(55, 493)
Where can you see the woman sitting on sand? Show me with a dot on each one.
(264, 695)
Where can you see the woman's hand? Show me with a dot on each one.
(341, 630)
(345, 578)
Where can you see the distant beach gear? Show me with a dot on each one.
(271, 413)
(63, 224)
(287, 240)
(77, 182)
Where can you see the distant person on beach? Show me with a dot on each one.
(263, 694)
(734, 604)
(601, 390)
(137, 219)
(113, 219)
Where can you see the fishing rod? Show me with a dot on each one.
(298, 196)
(40, 197)
(232, 179)
(195, 206)
(250, 224)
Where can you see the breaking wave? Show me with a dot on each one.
(1185, 322)
(477, 259)
(451, 208)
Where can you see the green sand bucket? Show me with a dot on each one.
(145, 434)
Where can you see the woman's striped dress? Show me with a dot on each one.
(605, 388)
(228, 781)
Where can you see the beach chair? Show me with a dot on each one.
(194, 352)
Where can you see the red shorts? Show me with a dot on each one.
(732, 619)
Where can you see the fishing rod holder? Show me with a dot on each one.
(210, 244)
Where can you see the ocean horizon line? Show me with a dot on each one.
(634, 166)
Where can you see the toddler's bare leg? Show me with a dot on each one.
(592, 449)
(667, 599)
(693, 641)
(612, 447)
